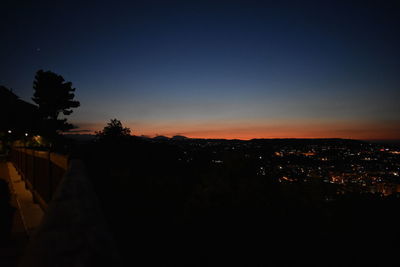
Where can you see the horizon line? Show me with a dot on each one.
(242, 139)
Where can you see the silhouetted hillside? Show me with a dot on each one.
(218, 202)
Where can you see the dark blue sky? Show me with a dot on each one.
(235, 69)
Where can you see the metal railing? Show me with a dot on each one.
(42, 171)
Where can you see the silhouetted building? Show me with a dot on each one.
(16, 115)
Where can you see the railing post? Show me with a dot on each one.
(24, 168)
(50, 177)
(34, 192)
(18, 161)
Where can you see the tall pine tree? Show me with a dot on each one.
(53, 95)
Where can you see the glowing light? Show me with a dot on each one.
(9, 131)
(38, 139)
(26, 134)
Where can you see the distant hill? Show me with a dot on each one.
(392, 142)
(179, 137)
(81, 137)
(161, 138)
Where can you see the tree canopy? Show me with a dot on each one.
(114, 130)
(53, 95)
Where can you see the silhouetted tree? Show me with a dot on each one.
(113, 130)
(53, 96)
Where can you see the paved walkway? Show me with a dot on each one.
(74, 231)
(30, 212)
(12, 251)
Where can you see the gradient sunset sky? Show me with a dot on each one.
(215, 69)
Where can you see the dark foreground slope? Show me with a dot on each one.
(167, 208)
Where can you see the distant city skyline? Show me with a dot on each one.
(215, 69)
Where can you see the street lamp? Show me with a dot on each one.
(9, 131)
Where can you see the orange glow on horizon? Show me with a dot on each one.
(247, 130)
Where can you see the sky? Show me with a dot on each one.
(214, 69)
